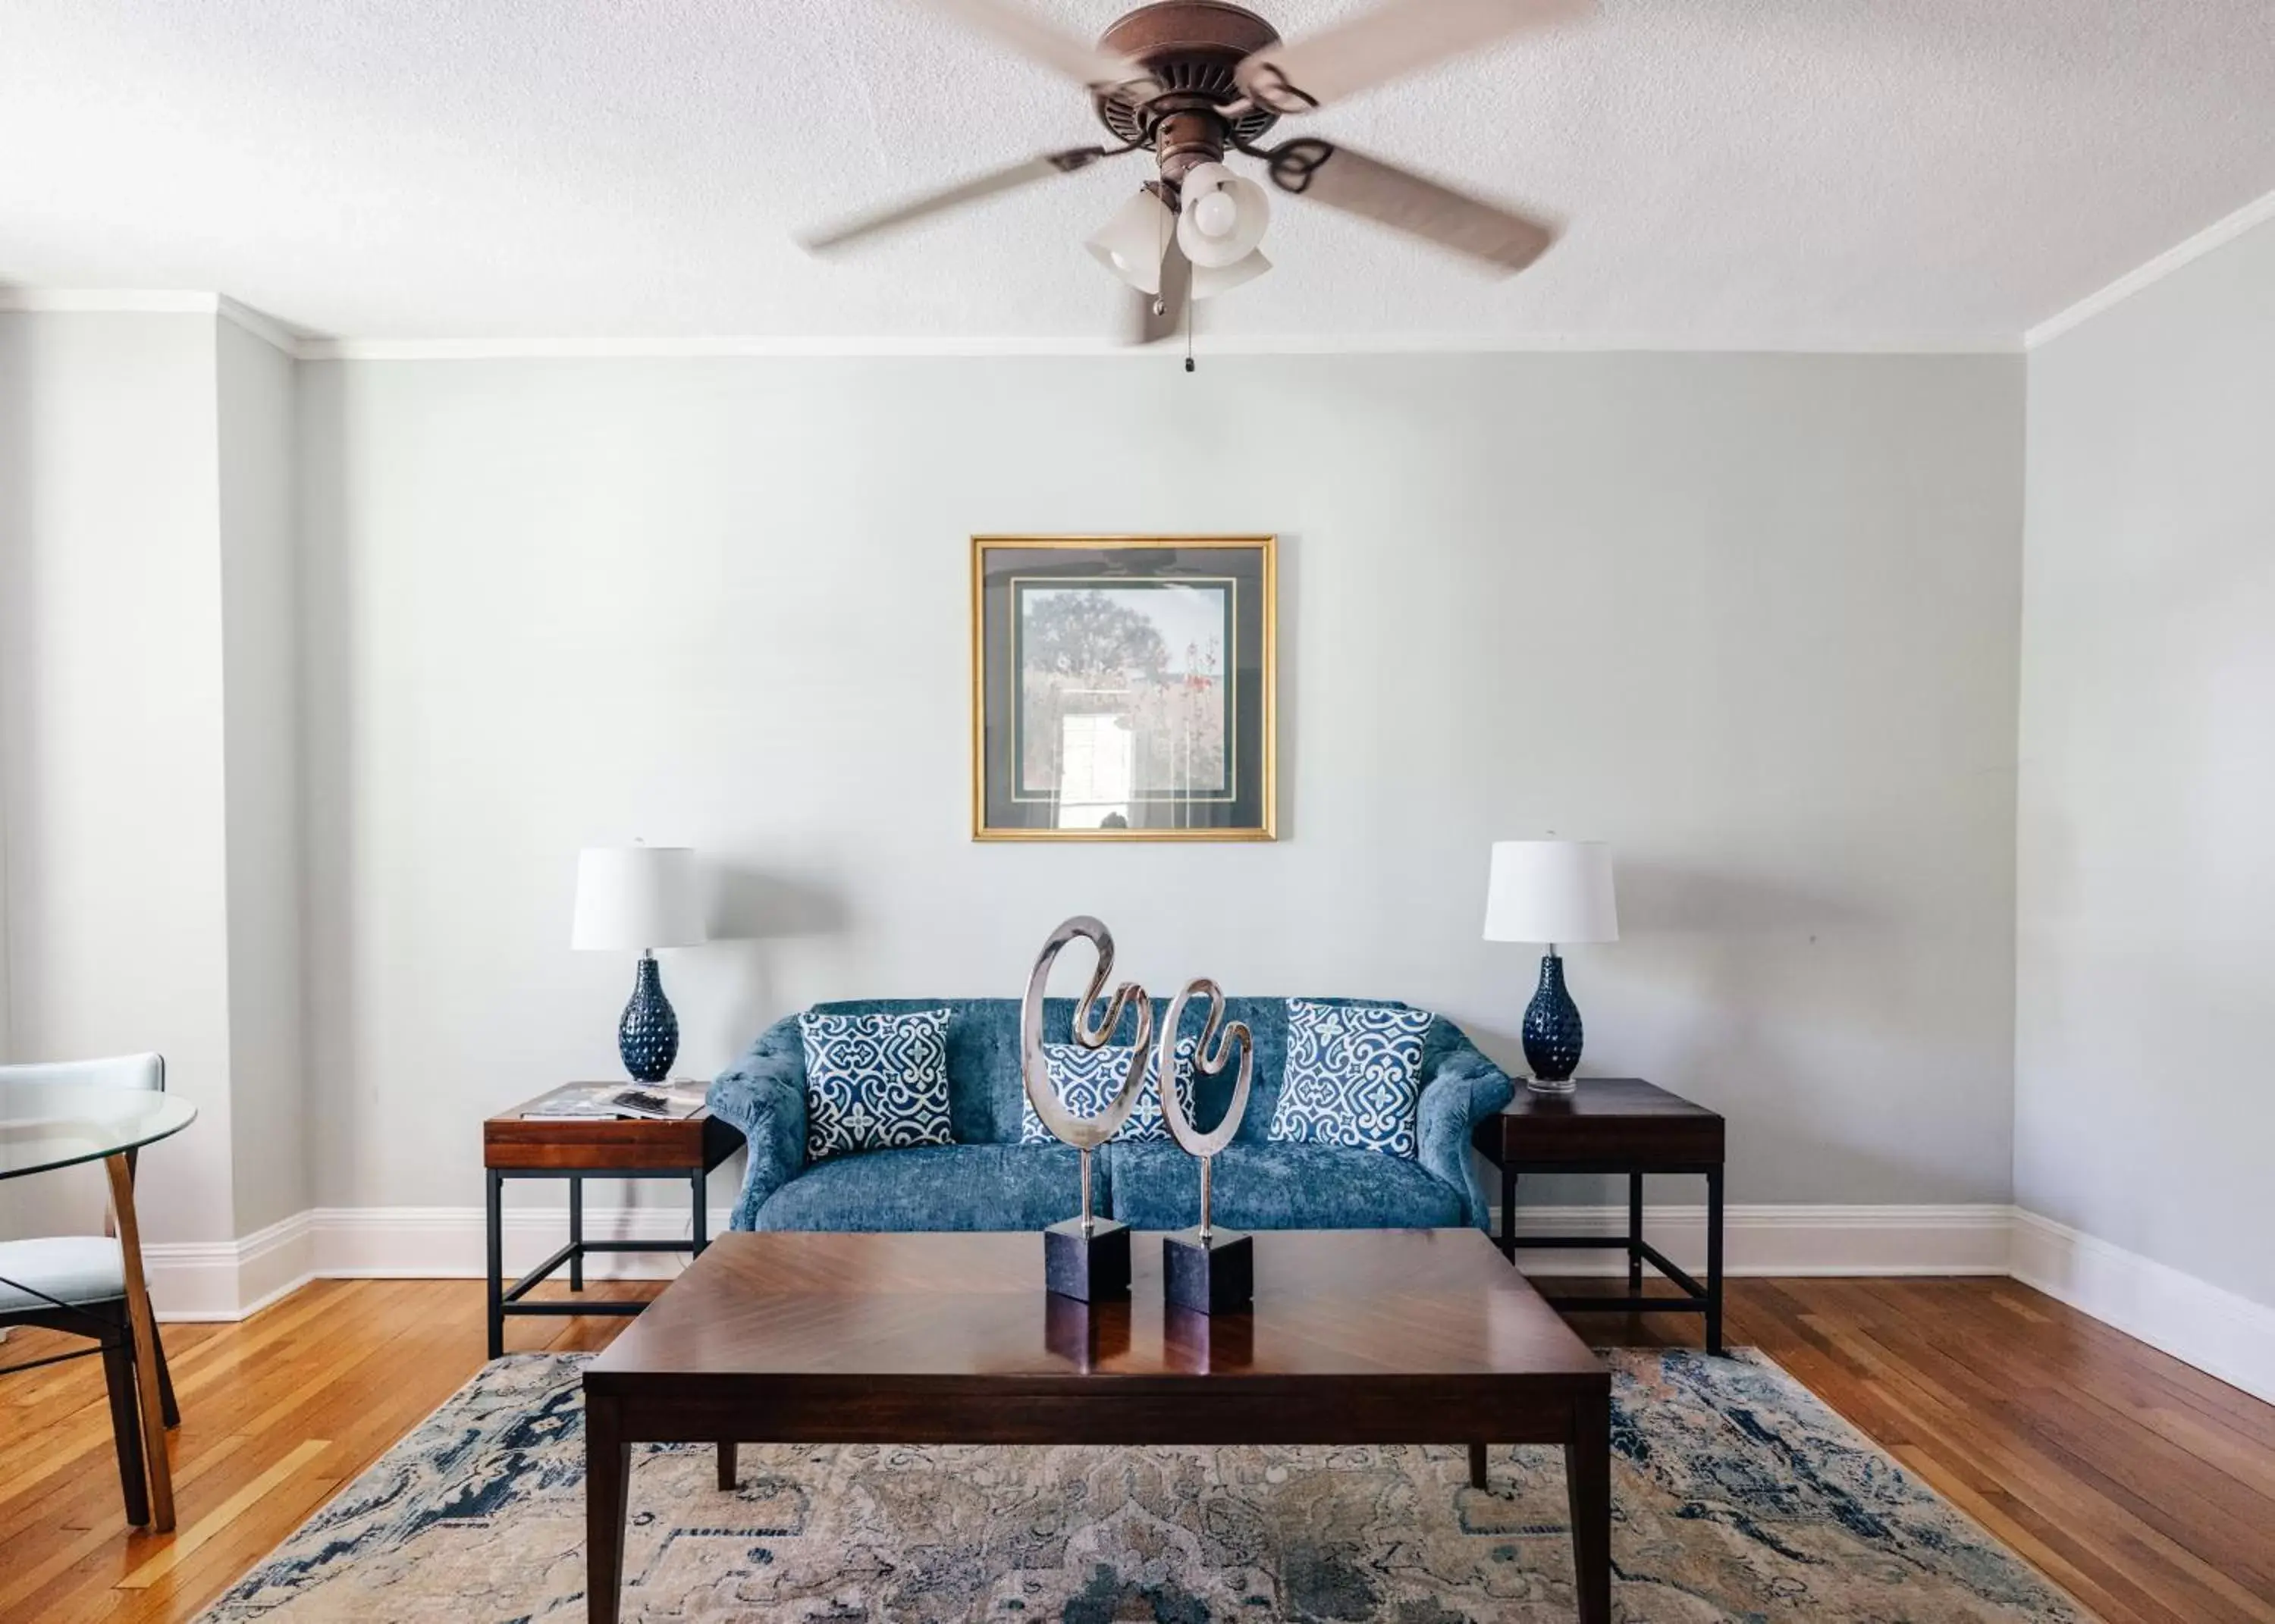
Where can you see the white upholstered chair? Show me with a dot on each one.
(77, 1283)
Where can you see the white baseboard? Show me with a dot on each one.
(2197, 1323)
(209, 1281)
(2215, 1331)
(1784, 1240)
(224, 1279)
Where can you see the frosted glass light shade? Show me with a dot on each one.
(1211, 280)
(1131, 244)
(1211, 235)
(631, 898)
(1550, 891)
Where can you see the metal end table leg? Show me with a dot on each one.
(1634, 1235)
(576, 1232)
(497, 1264)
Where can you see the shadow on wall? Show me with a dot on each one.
(751, 908)
(1722, 958)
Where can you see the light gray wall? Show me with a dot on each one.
(2144, 1114)
(1753, 619)
(258, 571)
(110, 734)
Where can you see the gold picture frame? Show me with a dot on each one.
(1235, 576)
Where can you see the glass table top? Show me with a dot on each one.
(45, 1125)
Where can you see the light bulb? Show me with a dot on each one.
(1216, 214)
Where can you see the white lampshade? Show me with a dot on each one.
(1211, 280)
(1550, 891)
(636, 897)
(1223, 217)
(1131, 244)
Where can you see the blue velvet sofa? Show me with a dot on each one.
(987, 1179)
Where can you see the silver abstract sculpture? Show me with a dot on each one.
(1086, 1133)
(1210, 1055)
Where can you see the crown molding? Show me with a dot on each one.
(312, 347)
(262, 326)
(791, 346)
(112, 301)
(2218, 234)
(152, 301)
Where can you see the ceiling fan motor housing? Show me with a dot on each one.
(1190, 47)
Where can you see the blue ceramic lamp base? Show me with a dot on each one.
(1552, 1032)
(647, 1038)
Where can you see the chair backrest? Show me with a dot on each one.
(142, 1071)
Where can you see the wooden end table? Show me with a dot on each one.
(1357, 1337)
(1614, 1125)
(515, 1147)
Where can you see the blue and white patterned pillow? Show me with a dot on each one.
(1353, 1077)
(874, 1081)
(1088, 1079)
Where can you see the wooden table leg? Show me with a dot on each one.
(1477, 1466)
(146, 1347)
(1588, 1485)
(608, 1482)
(726, 1466)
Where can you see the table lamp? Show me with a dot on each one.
(639, 897)
(1550, 891)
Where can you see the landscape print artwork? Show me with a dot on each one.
(1122, 687)
(1123, 692)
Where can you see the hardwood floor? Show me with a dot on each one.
(2144, 1487)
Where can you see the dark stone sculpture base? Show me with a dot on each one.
(1091, 1268)
(1218, 1278)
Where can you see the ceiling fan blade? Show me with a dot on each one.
(1009, 23)
(1177, 290)
(1375, 47)
(837, 234)
(1404, 201)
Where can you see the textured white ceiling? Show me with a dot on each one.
(1834, 172)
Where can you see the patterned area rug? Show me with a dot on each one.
(1737, 1495)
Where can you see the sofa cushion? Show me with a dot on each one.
(874, 1081)
(1353, 1077)
(1087, 1080)
(1279, 1187)
(935, 1187)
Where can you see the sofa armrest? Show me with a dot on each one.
(1464, 1089)
(764, 1095)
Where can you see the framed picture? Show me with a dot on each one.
(1122, 687)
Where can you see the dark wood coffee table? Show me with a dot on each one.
(1357, 1337)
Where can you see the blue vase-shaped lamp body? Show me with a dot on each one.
(1551, 1026)
(648, 1036)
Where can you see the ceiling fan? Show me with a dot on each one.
(1188, 80)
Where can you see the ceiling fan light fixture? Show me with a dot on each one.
(1131, 244)
(1224, 216)
(1211, 280)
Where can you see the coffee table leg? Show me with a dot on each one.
(1588, 1484)
(1714, 1261)
(726, 1466)
(608, 1480)
(1477, 1466)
